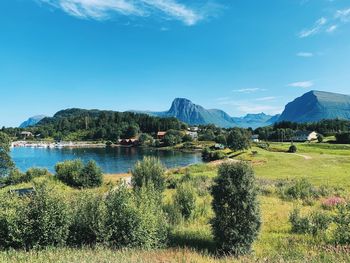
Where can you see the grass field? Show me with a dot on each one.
(192, 241)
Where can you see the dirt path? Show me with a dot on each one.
(306, 157)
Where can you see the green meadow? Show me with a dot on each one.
(324, 166)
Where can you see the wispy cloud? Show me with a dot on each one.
(327, 24)
(105, 9)
(248, 90)
(316, 28)
(265, 99)
(302, 84)
(305, 54)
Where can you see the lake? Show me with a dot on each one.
(111, 160)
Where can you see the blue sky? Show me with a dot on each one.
(242, 56)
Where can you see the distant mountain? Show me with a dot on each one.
(188, 112)
(32, 121)
(317, 105)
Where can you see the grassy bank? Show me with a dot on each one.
(191, 241)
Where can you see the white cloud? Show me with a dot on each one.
(305, 54)
(343, 15)
(331, 28)
(315, 29)
(248, 90)
(327, 25)
(105, 9)
(265, 99)
(302, 84)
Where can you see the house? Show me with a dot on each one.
(129, 142)
(161, 135)
(193, 129)
(219, 146)
(303, 136)
(194, 135)
(26, 134)
(255, 138)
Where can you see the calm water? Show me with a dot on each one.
(111, 160)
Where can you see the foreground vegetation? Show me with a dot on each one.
(301, 196)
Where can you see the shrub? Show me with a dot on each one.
(15, 177)
(148, 172)
(332, 202)
(342, 230)
(135, 219)
(292, 149)
(208, 155)
(11, 221)
(46, 221)
(314, 224)
(36, 172)
(75, 174)
(298, 189)
(320, 138)
(91, 175)
(185, 200)
(343, 137)
(88, 221)
(237, 213)
(69, 172)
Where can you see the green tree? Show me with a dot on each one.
(320, 138)
(237, 212)
(91, 175)
(238, 139)
(6, 163)
(185, 200)
(149, 171)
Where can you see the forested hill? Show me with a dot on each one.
(83, 124)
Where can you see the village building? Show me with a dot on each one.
(161, 135)
(194, 135)
(255, 138)
(304, 136)
(26, 134)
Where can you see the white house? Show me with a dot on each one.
(194, 135)
(303, 136)
(255, 138)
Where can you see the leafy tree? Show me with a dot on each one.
(135, 219)
(149, 171)
(75, 174)
(146, 139)
(237, 213)
(238, 139)
(185, 200)
(6, 163)
(292, 149)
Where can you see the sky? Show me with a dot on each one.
(241, 56)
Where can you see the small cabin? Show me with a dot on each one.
(26, 134)
(255, 138)
(129, 142)
(305, 136)
(161, 135)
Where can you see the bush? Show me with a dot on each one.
(342, 230)
(15, 177)
(298, 189)
(314, 224)
(11, 221)
(148, 172)
(343, 137)
(320, 138)
(75, 174)
(292, 149)
(185, 200)
(46, 219)
(237, 213)
(135, 219)
(89, 217)
(208, 155)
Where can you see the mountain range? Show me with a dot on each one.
(188, 112)
(312, 106)
(32, 121)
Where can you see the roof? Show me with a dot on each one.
(161, 133)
